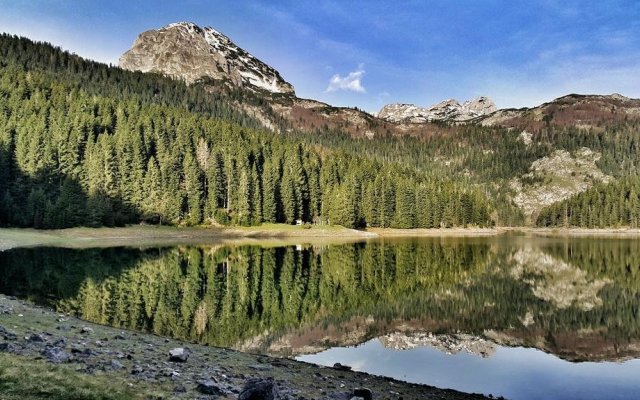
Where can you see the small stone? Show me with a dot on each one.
(263, 367)
(210, 386)
(116, 365)
(259, 389)
(86, 329)
(178, 355)
(56, 355)
(365, 393)
(168, 372)
(137, 370)
(7, 334)
(119, 337)
(35, 337)
(180, 389)
(341, 367)
(63, 327)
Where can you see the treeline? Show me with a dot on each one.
(616, 204)
(69, 158)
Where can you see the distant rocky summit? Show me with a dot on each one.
(186, 51)
(448, 110)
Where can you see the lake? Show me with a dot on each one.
(516, 316)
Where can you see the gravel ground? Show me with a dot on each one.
(186, 370)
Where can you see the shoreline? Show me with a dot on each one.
(74, 350)
(275, 234)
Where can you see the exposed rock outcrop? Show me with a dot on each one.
(555, 178)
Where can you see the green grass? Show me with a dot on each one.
(25, 379)
(150, 235)
(293, 228)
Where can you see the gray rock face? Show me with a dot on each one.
(448, 110)
(185, 51)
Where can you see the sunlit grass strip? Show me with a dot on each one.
(25, 379)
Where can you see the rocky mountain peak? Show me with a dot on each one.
(480, 105)
(186, 51)
(447, 110)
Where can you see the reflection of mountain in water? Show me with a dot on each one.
(577, 300)
(556, 281)
(450, 344)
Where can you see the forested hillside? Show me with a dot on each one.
(86, 144)
(83, 143)
(615, 204)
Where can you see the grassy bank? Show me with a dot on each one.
(23, 378)
(469, 232)
(266, 234)
(148, 235)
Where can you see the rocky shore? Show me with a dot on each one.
(174, 369)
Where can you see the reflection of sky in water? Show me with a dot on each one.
(516, 373)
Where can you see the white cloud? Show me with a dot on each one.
(351, 82)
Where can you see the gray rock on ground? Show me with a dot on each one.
(259, 389)
(56, 355)
(363, 393)
(209, 386)
(178, 354)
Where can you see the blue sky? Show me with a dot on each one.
(369, 53)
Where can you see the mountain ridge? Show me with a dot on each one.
(185, 51)
(446, 110)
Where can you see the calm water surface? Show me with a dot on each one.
(521, 317)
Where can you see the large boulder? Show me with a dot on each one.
(259, 389)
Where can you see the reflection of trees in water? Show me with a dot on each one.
(255, 297)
